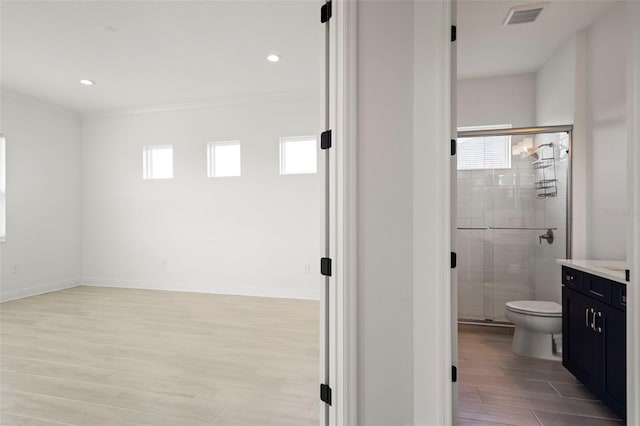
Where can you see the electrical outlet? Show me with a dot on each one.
(307, 269)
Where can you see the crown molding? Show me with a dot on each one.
(290, 96)
(6, 93)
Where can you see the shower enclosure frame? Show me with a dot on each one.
(527, 131)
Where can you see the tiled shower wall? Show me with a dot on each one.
(500, 265)
(552, 213)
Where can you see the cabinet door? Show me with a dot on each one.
(611, 327)
(579, 341)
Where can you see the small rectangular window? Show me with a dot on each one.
(157, 162)
(223, 159)
(485, 152)
(3, 189)
(298, 155)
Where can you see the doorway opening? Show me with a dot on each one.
(527, 197)
(176, 149)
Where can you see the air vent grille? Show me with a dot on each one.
(524, 14)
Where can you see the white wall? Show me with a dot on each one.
(633, 200)
(257, 234)
(42, 251)
(385, 280)
(581, 151)
(584, 84)
(497, 100)
(555, 87)
(403, 226)
(606, 40)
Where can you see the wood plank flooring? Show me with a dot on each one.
(121, 357)
(497, 387)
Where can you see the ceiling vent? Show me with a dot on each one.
(524, 14)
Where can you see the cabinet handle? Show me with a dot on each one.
(593, 319)
(586, 317)
(598, 328)
(569, 277)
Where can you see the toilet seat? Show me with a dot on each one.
(535, 308)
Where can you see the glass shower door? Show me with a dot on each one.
(502, 211)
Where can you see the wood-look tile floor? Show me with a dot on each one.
(497, 387)
(122, 357)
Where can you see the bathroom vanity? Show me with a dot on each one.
(594, 327)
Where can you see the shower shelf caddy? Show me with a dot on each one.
(545, 168)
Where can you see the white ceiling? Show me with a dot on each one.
(162, 52)
(486, 48)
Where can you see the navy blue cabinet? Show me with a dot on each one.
(579, 344)
(611, 325)
(594, 336)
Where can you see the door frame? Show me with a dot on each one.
(342, 295)
(633, 206)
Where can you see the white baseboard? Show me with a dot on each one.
(283, 293)
(37, 289)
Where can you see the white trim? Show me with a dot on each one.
(447, 126)
(35, 290)
(432, 328)
(633, 196)
(283, 293)
(343, 123)
(289, 96)
(453, 182)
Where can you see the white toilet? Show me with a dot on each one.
(537, 325)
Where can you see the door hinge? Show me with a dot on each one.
(325, 266)
(454, 373)
(325, 139)
(325, 12)
(627, 275)
(325, 394)
(454, 260)
(454, 33)
(453, 147)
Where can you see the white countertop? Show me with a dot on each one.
(613, 270)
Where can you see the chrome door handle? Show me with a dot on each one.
(593, 319)
(586, 317)
(598, 328)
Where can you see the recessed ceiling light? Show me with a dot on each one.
(273, 58)
(87, 82)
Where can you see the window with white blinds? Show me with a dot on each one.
(486, 152)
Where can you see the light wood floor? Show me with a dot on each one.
(498, 387)
(118, 357)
